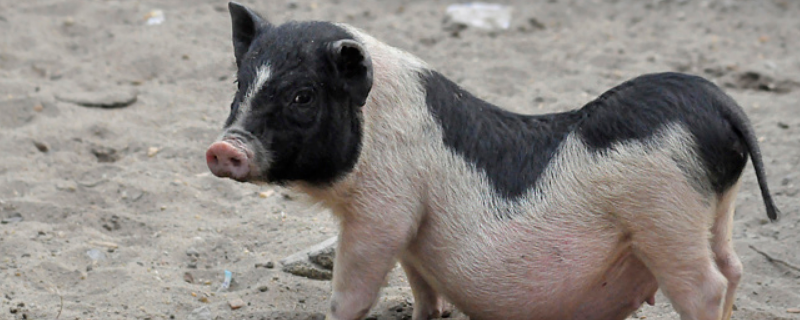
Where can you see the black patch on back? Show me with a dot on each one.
(637, 109)
(512, 149)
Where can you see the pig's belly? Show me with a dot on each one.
(563, 275)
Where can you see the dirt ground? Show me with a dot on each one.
(110, 213)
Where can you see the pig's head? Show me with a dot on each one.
(296, 115)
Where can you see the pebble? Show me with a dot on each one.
(188, 277)
(263, 288)
(107, 98)
(793, 310)
(236, 303)
(308, 271)
(192, 252)
(315, 262)
(105, 154)
(266, 194)
(69, 186)
(12, 218)
(152, 151)
(324, 257)
(41, 146)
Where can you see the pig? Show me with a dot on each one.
(579, 215)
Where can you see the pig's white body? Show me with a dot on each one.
(569, 251)
(579, 215)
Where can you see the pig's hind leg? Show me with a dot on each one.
(672, 239)
(722, 246)
(428, 304)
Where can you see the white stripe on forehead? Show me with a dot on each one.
(262, 75)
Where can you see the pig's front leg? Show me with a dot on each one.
(367, 250)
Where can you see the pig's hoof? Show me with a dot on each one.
(443, 309)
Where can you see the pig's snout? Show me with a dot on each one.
(227, 161)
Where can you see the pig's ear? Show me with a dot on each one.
(354, 67)
(246, 25)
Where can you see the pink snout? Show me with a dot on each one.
(226, 161)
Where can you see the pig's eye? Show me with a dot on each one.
(303, 97)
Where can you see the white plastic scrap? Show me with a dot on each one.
(481, 15)
(95, 254)
(155, 17)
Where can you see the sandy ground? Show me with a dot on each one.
(106, 211)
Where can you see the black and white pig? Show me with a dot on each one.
(575, 215)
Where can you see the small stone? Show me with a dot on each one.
(152, 151)
(105, 154)
(69, 186)
(269, 265)
(783, 125)
(309, 271)
(315, 262)
(266, 194)
(41, 146)
(192, 252)
(324, 258)
(203, 299)
(263, 288)
(793, 310)
(236, 303)
(188, 277)
(108, 98)
(12, 218)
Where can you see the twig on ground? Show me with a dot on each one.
(775, 260)
(61, 304)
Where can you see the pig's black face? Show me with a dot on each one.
(296, 115)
